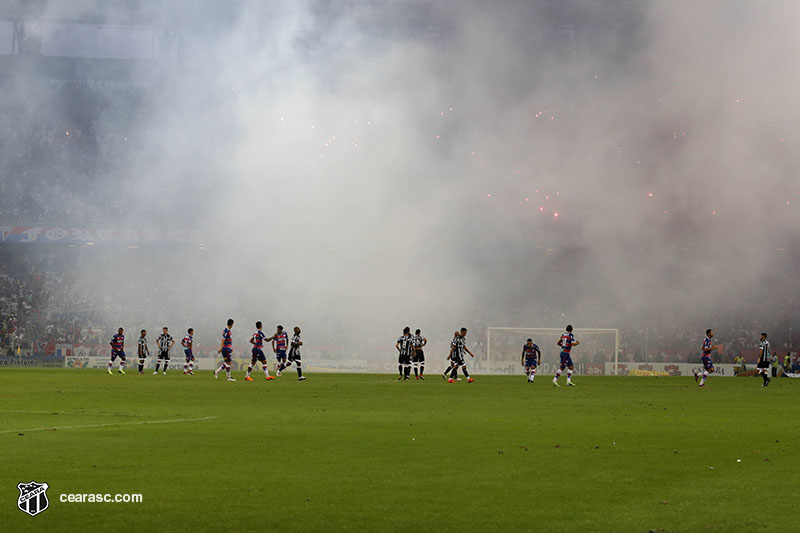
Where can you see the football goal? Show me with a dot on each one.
(597, 347)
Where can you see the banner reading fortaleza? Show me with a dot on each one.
(43, 234)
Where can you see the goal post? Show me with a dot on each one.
(598, 346)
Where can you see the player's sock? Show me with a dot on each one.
(122, 365)
(569, 376)
(705, 376)
(191, 366)
(464, 370)
(400, 369)
(416, 370)
(299, 370)
(185, 367)
(110, 364)
(249, 369)
(421, 369)
(141, 365)
(221, 367)
(532, 375)
(454, 373)
(158, 363)
(266, 370)
(228, 370)
(764, 375)
(407, 371)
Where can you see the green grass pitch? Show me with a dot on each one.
(369, 453)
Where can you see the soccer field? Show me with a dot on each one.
(369, 453)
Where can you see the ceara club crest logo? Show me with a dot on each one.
(32, 497)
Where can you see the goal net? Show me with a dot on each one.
(597, 347)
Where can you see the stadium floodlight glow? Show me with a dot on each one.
(504, 346)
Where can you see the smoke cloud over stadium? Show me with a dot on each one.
(357, 167)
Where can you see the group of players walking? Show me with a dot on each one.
(532, 357)
(708, 366)
(280, 341)
(409, 347)
(411, 355)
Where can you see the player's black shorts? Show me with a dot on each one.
(163, 355)
(419, 357)
(294, 355)
(258, 355)
(117, 353)
(458, 360)
(763, 364)
(404, 358)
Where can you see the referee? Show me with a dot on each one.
(165, 343)
(763, 359)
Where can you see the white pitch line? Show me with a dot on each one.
(84, 426)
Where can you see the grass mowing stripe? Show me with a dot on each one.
(84, 426)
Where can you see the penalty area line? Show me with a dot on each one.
(86, 426)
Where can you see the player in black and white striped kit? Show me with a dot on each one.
(165, 343)
(763, 359)
(457, 349)
(418, 359)
(294, 354)
(405, 349)
(144, 351)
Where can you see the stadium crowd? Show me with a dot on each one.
(55, 163)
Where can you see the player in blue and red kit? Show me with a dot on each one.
(117, 350)
(708, 365)
(567, 341)
(257, 340)
(531, 357)
(226, 350)
(280, 341)
(187, 343)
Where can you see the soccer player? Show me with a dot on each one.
(165, 343)
(418, 360)
(226, 349)
(446, 375)
(763, 359)
(187, 343)
(531, 358)
(405, 347)
(457, 349)
(708, 366)
(257, 340)
(144, 351)
(117, 350)
(567, 341)
(279, 343)
(294, 354)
